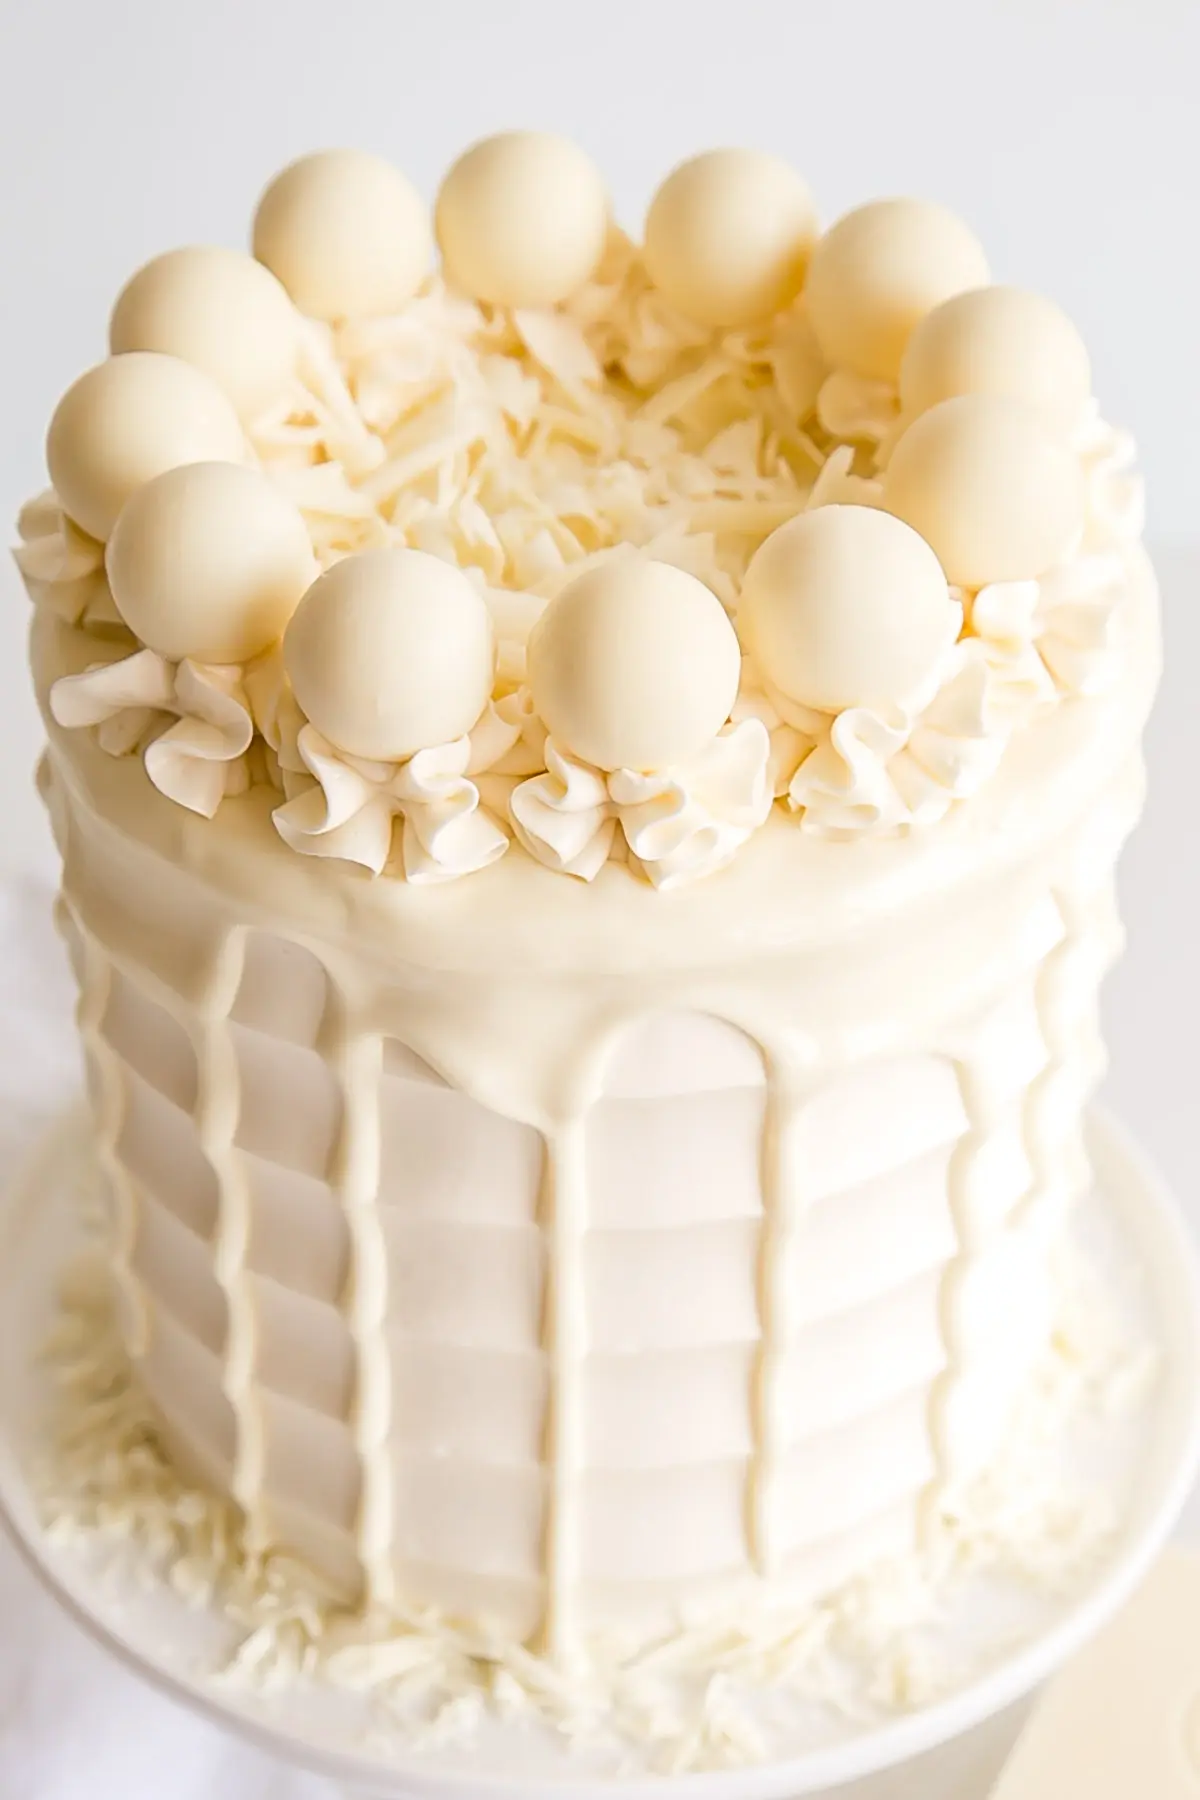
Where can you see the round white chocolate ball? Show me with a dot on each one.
(998, 340)
(220, 311)
(346, 233)
(128, 420)
(877, 272)
(390, 652)
(634, 665)
(729, 235)
(995, 492)
(522, 219)
(209, 562)
(846, 606)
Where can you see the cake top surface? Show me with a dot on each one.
(573, 551)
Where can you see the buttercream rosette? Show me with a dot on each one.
(679, 823)
(63, 568)
(640, 754)
(1028, 644)
(346, 806)
(1068, 622)
(191, 722)
(869, 413)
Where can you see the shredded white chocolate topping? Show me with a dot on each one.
(522, 444)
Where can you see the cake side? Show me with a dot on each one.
(760, 1240)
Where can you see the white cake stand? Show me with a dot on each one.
(947, 1751)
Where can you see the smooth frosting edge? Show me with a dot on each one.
(520, 910)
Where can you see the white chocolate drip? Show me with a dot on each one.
(357, 1059)
(218, 1103)
(564, 1219)
(107, 1092)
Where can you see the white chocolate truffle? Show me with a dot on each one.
(128, 420)
(390, 652)
(845, 606)
(998, 340)
(522, 219)
(209, 562)
(989, 486)
(346, 233)
(729, 235)
(634, 665)
(220, 311)
(877, 272)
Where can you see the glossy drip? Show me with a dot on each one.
(356, 1059)
(563, 1220)
(218, 1107)
(781, 1222)
(94, 970)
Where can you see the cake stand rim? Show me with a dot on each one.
(1128, 1179)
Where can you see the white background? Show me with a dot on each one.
(1067, 131)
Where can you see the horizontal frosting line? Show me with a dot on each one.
(400, 1339)
(796, 1452)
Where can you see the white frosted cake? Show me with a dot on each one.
(588, 783)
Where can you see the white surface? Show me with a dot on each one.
(1067, 130)
(1133, 1230)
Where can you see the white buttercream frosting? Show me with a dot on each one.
(218, 928)
(679, 823)
(857, 407)
(197, 759)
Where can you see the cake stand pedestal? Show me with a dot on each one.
(949, 1750)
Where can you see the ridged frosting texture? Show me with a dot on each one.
(365, 511)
